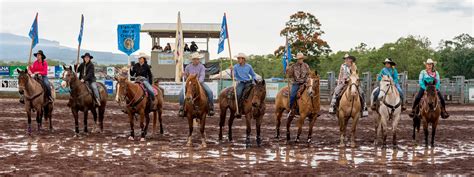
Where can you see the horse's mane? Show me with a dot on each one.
(354, 69)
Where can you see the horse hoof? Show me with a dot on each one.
(276, 137)
(189, 144)
(342, 145)
(297, 140)
(76, 135)
(203, 145)
(353, 145)
(259, 142)
(142, 139)
(131, 138)
(309, 141)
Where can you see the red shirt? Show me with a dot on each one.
(41, 68)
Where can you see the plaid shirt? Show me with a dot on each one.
(344, 73)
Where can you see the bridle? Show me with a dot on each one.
(390, 108)
(426, 95)
(27, 80)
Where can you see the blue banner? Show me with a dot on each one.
(128, 36)
(79, 39)
(34, 32)
(286, 57)
(223, 35)
(58, 70)
(109, 84)
(4, 70)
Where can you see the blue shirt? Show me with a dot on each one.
(243, 73)
(392, 72)
(424, 76)
(198, 69)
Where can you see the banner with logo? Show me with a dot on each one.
(128, 36)
(110, 71)
(58, 71)
(109, 85)
(4, 70)
(272, 90)
(51, 73)
(13, 72)
(8, 85)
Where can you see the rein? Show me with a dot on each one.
(34, 96)
(132, 103)
(390, 108)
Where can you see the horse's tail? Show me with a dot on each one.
(416, 122)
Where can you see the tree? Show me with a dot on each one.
(303, 32)
(457, 56)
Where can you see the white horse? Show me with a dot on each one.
(389, 109)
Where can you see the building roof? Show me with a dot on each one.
(190, 30)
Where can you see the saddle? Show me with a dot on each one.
(246, 91)
(40, 81)
(89, 90)
(339, 95)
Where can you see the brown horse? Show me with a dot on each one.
(430, 110)
(253, 108)
(195, 107)
(309, 106)
(349, 107)
(35, 99)
(81, 99)
(137, 102)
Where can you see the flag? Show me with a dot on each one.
(286, 57)
(179, 49)
(80, 31)
(223, 35)
(34, 32)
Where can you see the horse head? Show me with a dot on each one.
(121, 87)
(431, 95)
(354, 84)
(23, 78)
(385, 84)
(312, 83)
(192, 88)
(259, 93)
(68, 76)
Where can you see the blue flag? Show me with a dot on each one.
(286, 57)
(128, 36)
(34, 32)
(223, 35)
(80, 31)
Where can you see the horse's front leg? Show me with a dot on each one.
(425, 130)
(311, 125)
(288, 123)
(203, 133)
(300, 125)
(94, 114)
(278, 115)
(190, 123)
(132, 124)
(433, 132)
(39, 117)
(145, 129)
(28, 114)
(222, 121)
(395, 130)
(384, 130)
(354, 126)
(248, 121)
(231, 121)
(86, 111)
(75, 114)
(258, 123)
(342, 130)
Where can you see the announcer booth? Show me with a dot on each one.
(163, 62)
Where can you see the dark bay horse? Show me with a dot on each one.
(253, 108)
(309, 106)
(35, 99)
(137, 102)
(430, 111)
(81, 99)
(195, 107)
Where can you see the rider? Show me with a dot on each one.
(244, 75)
(429, 75)
(392, 72)
(40, 66)
(196, 67)
(344, 74)
(142, 69)
(86, 74)
(299, 72)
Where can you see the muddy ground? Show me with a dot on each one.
(111, 153)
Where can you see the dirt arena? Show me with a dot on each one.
(111, 153)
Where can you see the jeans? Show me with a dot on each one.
(294, 91)
(241, 85)
(47, 85)
(399, 88)
(210, 98)
(149, 87)
(420, 95)
(94, 88)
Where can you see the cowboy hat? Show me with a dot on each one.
(87, 55)
(350, 57)
(389, 60)
(300, 56)
(196, 55)
(241, 55)
(41, 53)
(430, 61)
(143, 55)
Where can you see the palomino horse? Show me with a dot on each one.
(349, 107)
(309, 106)
(253, 108)
(389, 109)
(35, 99)
(430, 110)
(137, 102)
(195, 106)
(82, 100)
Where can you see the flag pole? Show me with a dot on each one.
(287, 63)
(233, 72)
(31, 51)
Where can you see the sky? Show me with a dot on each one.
(254, 25)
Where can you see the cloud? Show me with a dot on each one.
(464, 7)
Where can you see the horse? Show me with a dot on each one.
(195, 107)
(138, 102)
(253, 108)
(389, 109)
(430, 111)
(35, 99)
(349, 107)
(81, 99)
(309, 106)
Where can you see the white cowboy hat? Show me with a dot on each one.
(196, 55)
(389, 60)
(300, 56)
(430, 61)
(143, 55)
(241, 55)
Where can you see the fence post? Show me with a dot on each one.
(331, 83)
(367, 85)
(460, 85)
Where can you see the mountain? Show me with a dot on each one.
(15, 48)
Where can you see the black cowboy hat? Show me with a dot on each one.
(87, 55)
(389, 60)
(41, 53)
(350, 57)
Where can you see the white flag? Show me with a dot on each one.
(179, 49)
